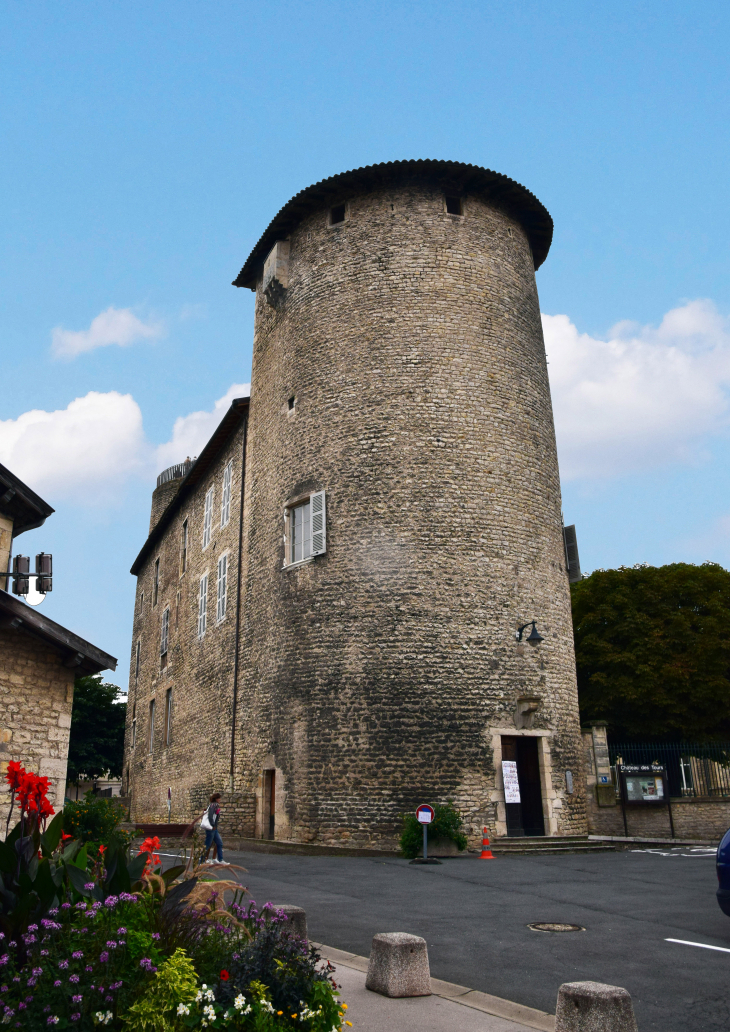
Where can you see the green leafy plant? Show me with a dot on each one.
(95, 819)
(159, 1009)
(446, 825)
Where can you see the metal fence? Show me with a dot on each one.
(693, 769)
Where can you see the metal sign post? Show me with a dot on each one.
(425, 815)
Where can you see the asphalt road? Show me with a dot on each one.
(474, 916)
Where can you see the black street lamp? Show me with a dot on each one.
(534, 637)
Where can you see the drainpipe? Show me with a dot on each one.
(238, 601)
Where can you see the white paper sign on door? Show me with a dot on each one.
(511, 784)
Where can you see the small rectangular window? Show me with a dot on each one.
(136, 661)
(337, 214)
(168, 716)
(165, 632)
(134, 725)
(152, 725)
(184, 548)
(306, 534)
(208, 518)
(156, 583)
(301, 532)
(226, 497)
(453, 205)
(222, 583)
(202, 605)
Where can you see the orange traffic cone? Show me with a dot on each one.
(486, 851)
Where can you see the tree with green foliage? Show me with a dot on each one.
(96, 748)
(653, 651)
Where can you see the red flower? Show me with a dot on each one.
(15, 775)
(224, 975)
(64, 836)
(102, 850)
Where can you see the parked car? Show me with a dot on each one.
(723, 873)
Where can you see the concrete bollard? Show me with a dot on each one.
(296, 919)
(594, 1007)
(399, 965)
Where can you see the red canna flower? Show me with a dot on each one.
(224, 975)
(64, 836)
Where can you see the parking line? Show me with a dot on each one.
(683, 942)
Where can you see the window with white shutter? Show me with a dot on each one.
(306, 529)
(202, 605)
(152, 726)
(319, 523)
(222, 583)
(226, 497)
(165, 632)
(208, 518)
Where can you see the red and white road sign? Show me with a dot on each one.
(425, 814)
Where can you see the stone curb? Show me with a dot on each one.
(494, 1005)
(653, 841)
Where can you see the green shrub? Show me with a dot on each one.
(446, 825)
(94, 819)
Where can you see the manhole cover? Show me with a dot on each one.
(555, 926)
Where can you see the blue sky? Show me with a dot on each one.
(145, 146)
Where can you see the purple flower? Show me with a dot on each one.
(12, 943)
(65, 906)
(155, 935)
(17, 978)
(28, 939)
(44, 953)
(77, 954)
(46, 1009)
(4, 959)
(63, 964)
(37, 971)
(31, 982)
(53, 1020)
(3, 988)
(32, 927)
(95, 905)
(22, 1006)
(111, 944)
(109, 999)
(57, 983)
(29, 999)
(111, 901)
(75, 1017)
(89, 967)
(73, 978)
(81, 905)
(121, 931)
(89, 885)
(53, 911)
(104, 957)
(77, 999)
(147, 964)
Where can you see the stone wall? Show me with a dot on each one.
(36, 698)
(199, 672)
(373, 677)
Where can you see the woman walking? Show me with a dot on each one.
(209, 824)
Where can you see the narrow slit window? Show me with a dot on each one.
(184, 548)
(291, 402)
(156, 584)
(164, 635)
(134, 725)
(337, 214)
(152, 725)
(136, 661)
(453, 205)
(168, 716)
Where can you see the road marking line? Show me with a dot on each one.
(684, 942)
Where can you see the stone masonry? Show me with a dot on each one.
(399, 367)
(36, 698)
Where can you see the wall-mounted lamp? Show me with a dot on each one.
(534, 637)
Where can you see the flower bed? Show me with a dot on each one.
(89, 938)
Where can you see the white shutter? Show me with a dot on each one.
(318, 516)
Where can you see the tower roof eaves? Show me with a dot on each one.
(453, 175)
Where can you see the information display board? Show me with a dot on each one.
(511, 783)
(643, 783)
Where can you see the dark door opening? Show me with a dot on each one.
(525, 817)
(269, 803)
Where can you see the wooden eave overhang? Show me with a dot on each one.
(221, 435)
(451, 176)
(24, 507)
(77, 654)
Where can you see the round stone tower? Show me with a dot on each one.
(401, 437)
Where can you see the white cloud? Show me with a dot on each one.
(190, 432)
(94, 443)
(114, 326)
(644, 397)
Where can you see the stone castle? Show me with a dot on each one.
(330, 597)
